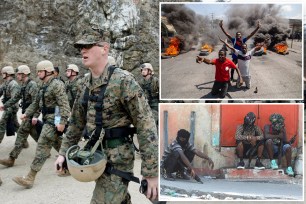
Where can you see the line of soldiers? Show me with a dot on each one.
(45, 98)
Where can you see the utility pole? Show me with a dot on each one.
(212, 20)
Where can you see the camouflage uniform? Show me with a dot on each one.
(124, 104)
(55, 95)
(151, 89)
(9, 89)
(71, 90)
(29, 89)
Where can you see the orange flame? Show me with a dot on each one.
(281, 48)
(207, 47)
(173, 48)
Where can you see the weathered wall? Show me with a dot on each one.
(34, 30)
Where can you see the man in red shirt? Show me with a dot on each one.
(222, 77)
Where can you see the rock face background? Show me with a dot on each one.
(35, 30)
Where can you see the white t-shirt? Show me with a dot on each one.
(244, 61)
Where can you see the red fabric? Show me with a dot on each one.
(222, 69)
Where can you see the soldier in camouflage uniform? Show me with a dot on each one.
(150, 85)
(9, 89)
(28, 92)
(123, 104)
(51, 94)
(71, 85)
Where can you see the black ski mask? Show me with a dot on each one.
(183, 137)
(249, 122)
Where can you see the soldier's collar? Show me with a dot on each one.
(103, 79)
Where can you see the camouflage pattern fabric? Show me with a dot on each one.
(71, 90)
(110, 183)
(47, 139)
(24, 130)
(30, 90)
(151, 90)
(11, 89)
(124, 104)
(55, 95)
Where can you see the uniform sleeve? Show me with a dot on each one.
(34, 107)
(76, 125)
(33, 91)
(15, 97)
(132, 97)
(156, 85)
(61, 100)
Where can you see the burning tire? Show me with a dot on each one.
(204, 53)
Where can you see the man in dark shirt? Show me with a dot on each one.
(178, 156)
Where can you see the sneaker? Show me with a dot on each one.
(289, 171)
(259, 165)
(168, 176)
(240, 165)
(274, 164)
(182, 175)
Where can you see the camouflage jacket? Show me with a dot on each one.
(29, 89)
(151, 89)
(72, 89)
(10, 90)
(123, 104)
(55, 95)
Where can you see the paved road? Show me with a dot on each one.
(275, 76)
(223, 189)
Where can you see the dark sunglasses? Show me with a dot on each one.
(88, 46)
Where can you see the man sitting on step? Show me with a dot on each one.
(249, 138)
(276, 142)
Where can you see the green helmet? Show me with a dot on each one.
(23, 69)
(73, 67)
(82, 166)
(8, 70)
(45, 65)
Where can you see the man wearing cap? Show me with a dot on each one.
(150, 85)
(71, 85)
(276, 142)
(123, 103)
(9, 89)
(52, 94)
(28, 92)
(56, 74)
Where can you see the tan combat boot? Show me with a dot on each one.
(26, 181)
(8, 162)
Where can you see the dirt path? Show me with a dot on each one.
(48, 187)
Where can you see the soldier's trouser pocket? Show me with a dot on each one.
(121, 155)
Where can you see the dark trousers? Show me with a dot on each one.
(174, 163)
(233, 70)
(220, 88)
